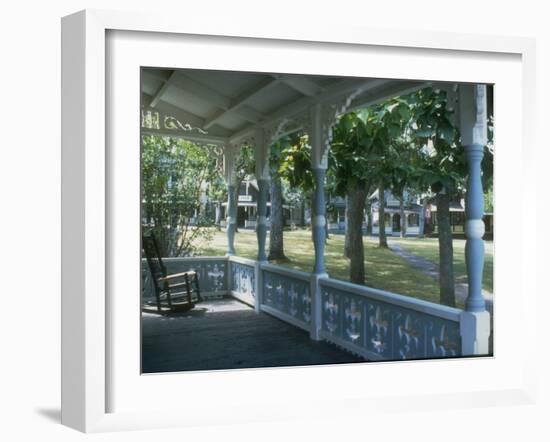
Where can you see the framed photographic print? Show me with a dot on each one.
(290, 222)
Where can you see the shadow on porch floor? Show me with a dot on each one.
(224, 334)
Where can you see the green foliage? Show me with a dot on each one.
(488, 201)
(370, 147)
(244, 163)
(175, 174)
(216, 187)
(294, 159)
(443, 165)
(352, 161)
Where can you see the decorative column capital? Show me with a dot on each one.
(322, 116)
(229, 154)
(275, 131)
(473, 114)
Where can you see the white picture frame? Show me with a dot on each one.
(87, 319)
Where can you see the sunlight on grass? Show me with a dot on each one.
(384, 269)
(429, 248)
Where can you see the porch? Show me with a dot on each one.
(370, 323)
(226, 333)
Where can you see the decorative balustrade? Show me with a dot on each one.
(212, 272)
(375, 324)
(242, 279)
(384, 326)
(286, 294)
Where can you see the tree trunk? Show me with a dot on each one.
(382, 241)
(303, 213)
(403, 226)
(346, 230)
(356, 210)
(422, 219)
(276, 245)
(446, 273)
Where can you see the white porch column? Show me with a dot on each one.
(475, 324)
(230, 151)
(319, 153)
(318, 126)
(261, 152)
(318, 140)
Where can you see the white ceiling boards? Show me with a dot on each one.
(229, 105)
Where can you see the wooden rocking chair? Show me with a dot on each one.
(173, 292)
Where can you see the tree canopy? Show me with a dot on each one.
(175, 174)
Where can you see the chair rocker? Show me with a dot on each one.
(174, 292)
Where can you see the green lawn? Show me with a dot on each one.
(384, 269)
(428, 248)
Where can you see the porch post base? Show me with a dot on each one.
(475, 329)
(316, 306)
(258, 286)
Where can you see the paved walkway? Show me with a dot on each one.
(432, 269)
(225, 334)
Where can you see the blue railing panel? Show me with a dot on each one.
(443, 339)
(243, 280)
(379, 329)
(409, 335)
(383, 330)
(212, 272)
(287, 294)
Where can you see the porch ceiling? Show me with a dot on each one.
(218, 106)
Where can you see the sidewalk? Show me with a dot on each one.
(432, 269)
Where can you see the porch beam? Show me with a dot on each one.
(183, 82)
(249, 114)
(160, 92)
(186, 135)
(335, 91)
(300, 83)
(169, 110)
(375, 96)
(240, 101)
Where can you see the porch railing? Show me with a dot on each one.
(212, 272)
(375, 324)
(242, 279)
(380, 325)
(286, 294)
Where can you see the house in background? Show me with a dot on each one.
(458, 219)
(412, 211)
(247, 207)
(417, 217)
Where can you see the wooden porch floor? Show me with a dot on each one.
(225, 334)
